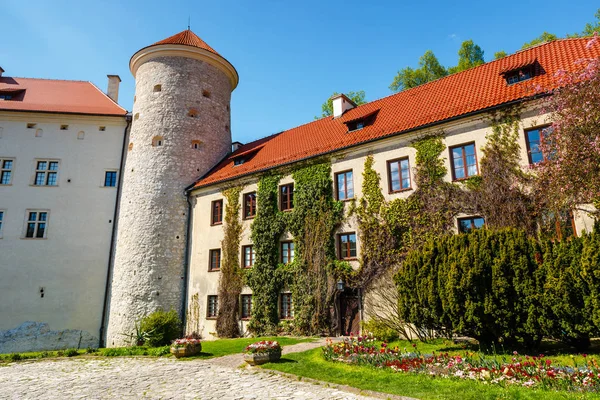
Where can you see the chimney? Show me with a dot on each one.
(235, 146)
(341, 104)
(113, 87)
(1, 71)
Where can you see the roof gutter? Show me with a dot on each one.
(430, 125)
(109, 270)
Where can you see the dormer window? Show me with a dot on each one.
(362, 121)
(239, 160)
(5, 96)
(518, 76)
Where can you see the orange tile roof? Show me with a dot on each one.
(57, 96)
(463, 93)
(187, 38)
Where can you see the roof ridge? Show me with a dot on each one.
(108, 97)
(47, 79)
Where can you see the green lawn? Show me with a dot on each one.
(214, 348)
(311, 364)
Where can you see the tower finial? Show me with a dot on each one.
(189, 19)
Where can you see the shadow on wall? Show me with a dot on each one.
(37, 336)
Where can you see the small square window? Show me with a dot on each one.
(101, 128)
(212, 306)
(469, 224)
(249, 205)
(216, 217)
(214, 262)
(31, 126)
(246, 300)
(110, 178)
(347, 246)
(286, 197)
(64, 127)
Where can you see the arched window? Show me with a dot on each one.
(206, 93)
(130, 147)
(80, 135)
(193, 113)
(157, 141)
(196, 144)
(136, 116)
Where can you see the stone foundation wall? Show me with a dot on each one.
(37, 336)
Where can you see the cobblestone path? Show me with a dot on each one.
(151, 378)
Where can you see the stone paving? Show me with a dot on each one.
(155, 378)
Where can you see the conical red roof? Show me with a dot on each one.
(187, 38)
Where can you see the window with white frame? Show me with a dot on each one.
(36, 225)
(6, 166)
(46, 173)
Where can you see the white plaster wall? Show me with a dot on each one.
(475, 129)
(72, 261)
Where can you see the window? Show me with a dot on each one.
(196, 144)
(101, 128)
(518, 75)
(157, 141)
(193, 113)
(534, 137)
(249, 205)
(64, 127)
(6, 171)
(246, 306)
(344, 185)
(559, 225)
(285, 308)
(469, 224)
(46, 173)
(287, 252)
(80, 135)
(36, 224)
(286, 197)
(206, 93)
(239, 160)
(4, 96)
(214, 262)
(399, 175)
(31, 126)
(157, 88)
(212, 306)
(347, 245)
(1, 221)
(464, 161)
(248, 256)
(217, 212)
(110, 178)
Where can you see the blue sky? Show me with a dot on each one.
(290, 55)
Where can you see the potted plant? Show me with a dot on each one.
(185, 347)
(262, 352)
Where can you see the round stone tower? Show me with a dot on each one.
(180, 130)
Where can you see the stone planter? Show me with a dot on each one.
(186, 351)
(262, 358)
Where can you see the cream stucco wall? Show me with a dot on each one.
(71, 262)
(205, 237)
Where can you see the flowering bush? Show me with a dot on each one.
(264, 346)
(188, 341)
(536, 371)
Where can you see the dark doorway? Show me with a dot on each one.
(349, 312)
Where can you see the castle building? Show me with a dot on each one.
(90, 273)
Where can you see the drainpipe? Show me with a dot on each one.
(114, 231)
(186, 260)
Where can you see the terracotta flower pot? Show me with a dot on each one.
(262, 358)
(186, 351)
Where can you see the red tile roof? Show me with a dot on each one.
(466, 92)
(187, 38)
(58, 96)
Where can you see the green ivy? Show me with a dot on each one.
(264, 279)
(231, 279)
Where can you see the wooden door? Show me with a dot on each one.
(350, 312)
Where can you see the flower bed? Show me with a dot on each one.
(185, 347)
(536, 371)
(262, 352)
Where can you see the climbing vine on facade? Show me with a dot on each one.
(231, 278)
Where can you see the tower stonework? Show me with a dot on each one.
(180, 130)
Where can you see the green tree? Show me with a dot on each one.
(469, 55)
(429, 69)
(591, 28)
(499, 54)
(327, 107)
(544, 37)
